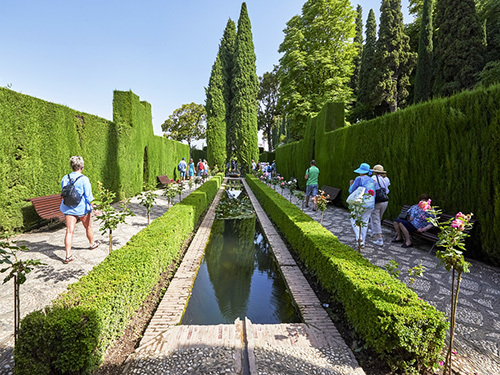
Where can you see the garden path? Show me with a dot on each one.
(46, 282)
(477, 339)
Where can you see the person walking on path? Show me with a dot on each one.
(81, 209)
(369, 203)
(191, 168)
(381, 182)
(312, 174)
(200, 168)
(182, 168)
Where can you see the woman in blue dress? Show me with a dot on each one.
(191, 168)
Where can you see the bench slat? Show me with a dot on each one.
(47, 207)
(163, 179)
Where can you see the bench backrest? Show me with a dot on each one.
(331, 191)
(164, 180)
(47, 207)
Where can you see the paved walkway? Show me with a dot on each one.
(45, 283)
(312, 347)
(477, 339)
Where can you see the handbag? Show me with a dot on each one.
(380, 194)
(356, 197)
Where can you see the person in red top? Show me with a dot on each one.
(200, 168)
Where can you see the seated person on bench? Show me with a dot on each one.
(416, 221)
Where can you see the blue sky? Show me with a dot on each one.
(76, 53)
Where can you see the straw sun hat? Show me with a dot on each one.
(378, 169)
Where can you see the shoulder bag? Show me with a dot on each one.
(380, 194)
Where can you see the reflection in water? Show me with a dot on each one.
(239, 278)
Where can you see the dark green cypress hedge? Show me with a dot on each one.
(447, 148)
(37, 138)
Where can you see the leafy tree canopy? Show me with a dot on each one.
(268, 105)
(186, 123)
(317, 62)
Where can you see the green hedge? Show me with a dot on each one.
(267, 156)
(447, 148)
(72, 335)
(37, 138)
(390, 317)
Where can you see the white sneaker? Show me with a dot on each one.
(379, 242)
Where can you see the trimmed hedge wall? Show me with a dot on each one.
(37, 138)
(267, 156)
(390, 317)
(73, 334)
(447, 148)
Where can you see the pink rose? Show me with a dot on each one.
(458, 224)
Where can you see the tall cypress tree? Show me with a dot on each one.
(423, 77)
(459, 46)
(245, 91)
(364, 107)
(216, 117)
(226, 55)
(394, 60)
(358, 41)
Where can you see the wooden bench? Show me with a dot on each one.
(331, 191)
(48, 207)
(163, 179)
(430, 235)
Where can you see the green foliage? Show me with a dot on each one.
(490, 75)
(216, 117)
(459, 46)
(234, 208)
(269, 111)
(245, 87)
(148, 198)
(226, 55)
(267, 156)
(317, 60)
(364, 106)
(186, 123)
(393, 58)
(390, 317)
(40, 136)
(426, 148)
(73, 335)
(358, 42)
(107, 214)
(423, 77)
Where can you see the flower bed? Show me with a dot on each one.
(72, 335)
(406, 331)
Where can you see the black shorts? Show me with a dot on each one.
(411, 228)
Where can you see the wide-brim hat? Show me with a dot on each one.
(378, 169)
(364, 168)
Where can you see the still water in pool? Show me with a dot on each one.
(238, 277)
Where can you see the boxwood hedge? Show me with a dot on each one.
(73, 334)
(389, 316)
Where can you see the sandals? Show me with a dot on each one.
(95, 245)
(68, 259)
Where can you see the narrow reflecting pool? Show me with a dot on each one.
(238, 277)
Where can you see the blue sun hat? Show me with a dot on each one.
(364, 168)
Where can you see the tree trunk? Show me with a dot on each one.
(110, 241)
(16, 310)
